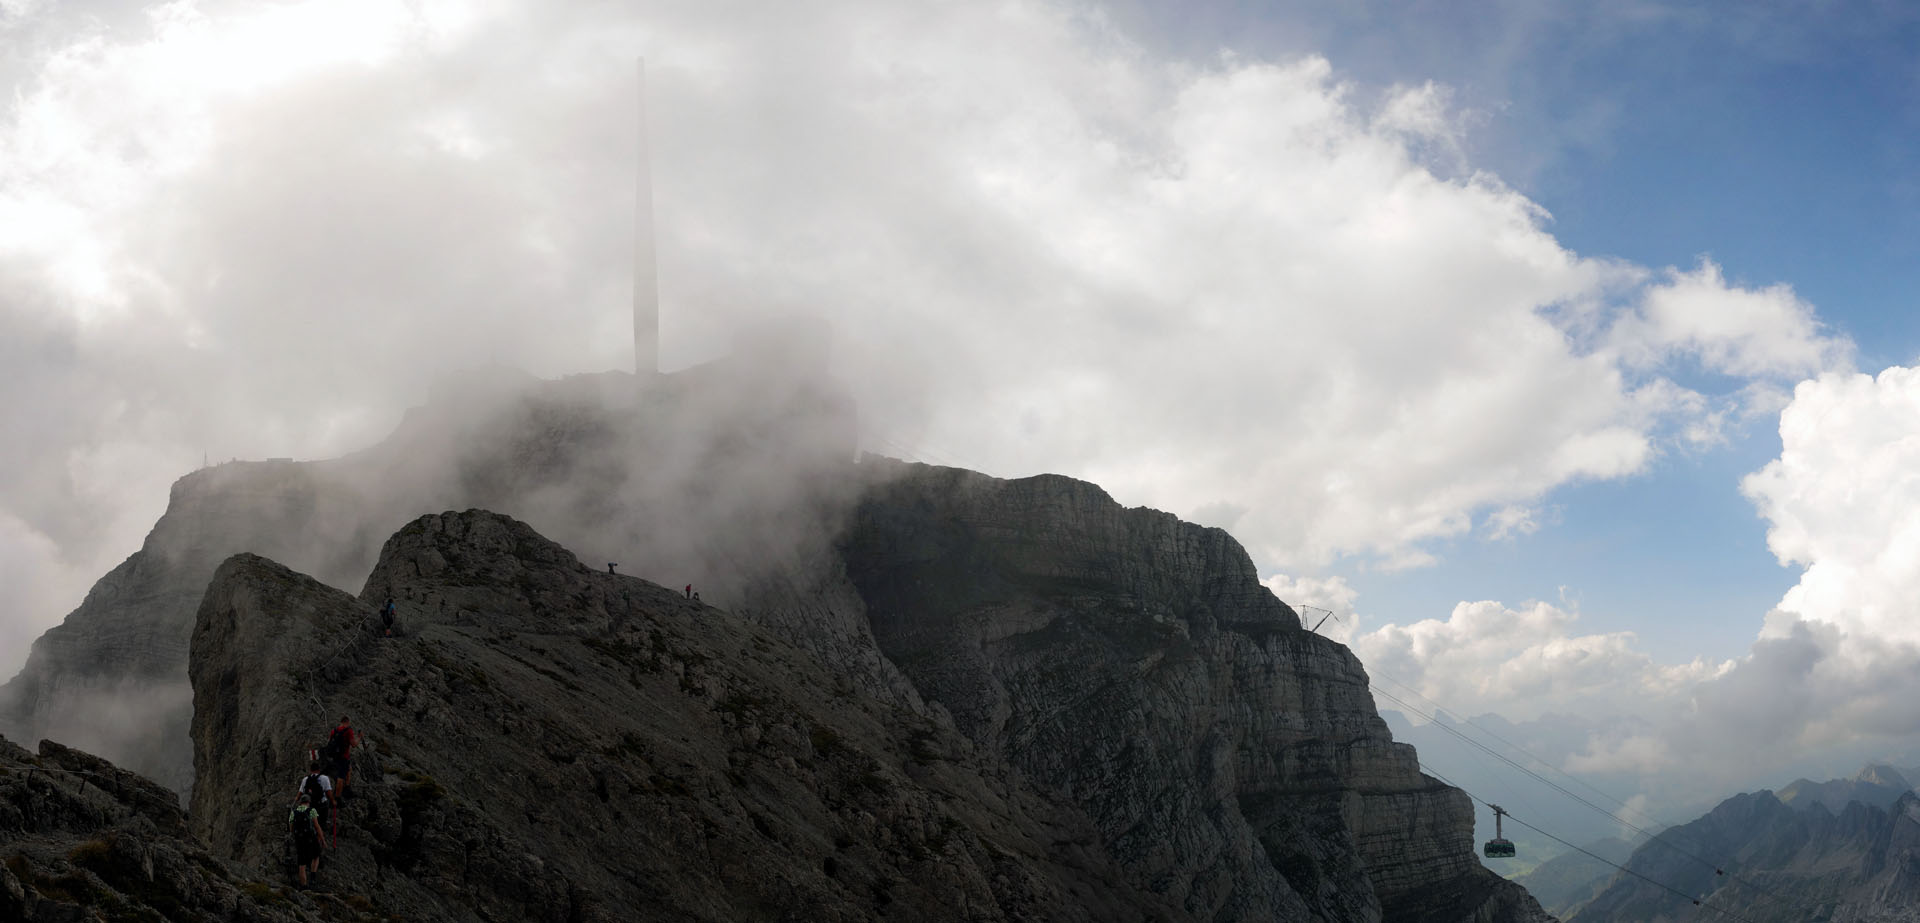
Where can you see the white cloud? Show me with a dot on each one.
(1767, 332)
(1637, 753)
(1232, 286)
(1832, 679)
(1509, 521)
(1843, 500)
(1522, 662)
(39, 582)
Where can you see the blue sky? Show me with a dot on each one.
(1781, 140)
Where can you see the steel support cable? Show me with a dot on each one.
(1489, 769)
(1438, 709)
(1718, 870)
(1718, 867)
(1530, 773)
(1696, 901)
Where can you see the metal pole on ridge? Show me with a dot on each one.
(646, 278)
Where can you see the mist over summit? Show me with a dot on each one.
(913, 691)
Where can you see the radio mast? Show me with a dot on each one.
(646, 272)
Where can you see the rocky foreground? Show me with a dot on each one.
(83, 840)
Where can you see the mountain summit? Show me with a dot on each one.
(909, 692)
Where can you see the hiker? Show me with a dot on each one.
(339, 756)
(304, 824)
(689, 591)
(317, 791)
(611, 566)
(386, 616)
(696, 597)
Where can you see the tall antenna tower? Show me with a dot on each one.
(646, 271)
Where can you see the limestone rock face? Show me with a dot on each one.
(111, 677)
(547, 741)
(1134, 665)
(81, 839)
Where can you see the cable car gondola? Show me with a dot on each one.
(1499, 847)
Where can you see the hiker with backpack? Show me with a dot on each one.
(338, 754)
(304, 824)
(317, 791)
(386, 616)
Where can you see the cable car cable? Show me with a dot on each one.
(1696, 901)
(1439, 709)
(1718, 870)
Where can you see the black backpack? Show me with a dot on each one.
(315, 794)
(300, 823)
(336, 745)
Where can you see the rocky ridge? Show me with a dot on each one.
(1782, 865)
(552, 742)
(1879, 786)
(659, 479)
(1160, 736)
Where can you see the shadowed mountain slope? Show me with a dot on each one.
(1567, 881)
(1782, 866)
(549, 741)
(1134, 663)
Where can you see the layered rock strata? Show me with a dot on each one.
(1133, 664)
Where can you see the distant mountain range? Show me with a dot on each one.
(1879, 786)
(1840, 851)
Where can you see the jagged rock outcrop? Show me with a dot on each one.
(712, 477)
(551, 742)
(1134, 664)
(81, 839)
(1781, 864)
